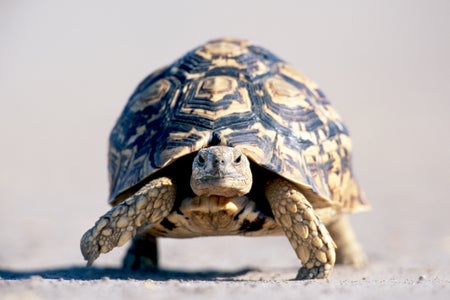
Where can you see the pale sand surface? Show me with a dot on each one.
(66, 71)
(253, 285)
(379, 281)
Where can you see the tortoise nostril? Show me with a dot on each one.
(218, 162)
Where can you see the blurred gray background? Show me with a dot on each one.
(67, 69)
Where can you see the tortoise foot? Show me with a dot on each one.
(142, 254)
(313, 273)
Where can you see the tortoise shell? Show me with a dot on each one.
(231, 92)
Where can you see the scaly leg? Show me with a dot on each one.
(142, 254)
(149, 205)
(348, 251)
(306, 233)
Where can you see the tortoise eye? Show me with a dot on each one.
(201, 160)
(238, 159)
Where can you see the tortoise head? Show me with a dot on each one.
(222, 171)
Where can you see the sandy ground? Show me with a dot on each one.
(66, 71)
(240, 284)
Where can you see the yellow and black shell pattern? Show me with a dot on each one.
(231, 92)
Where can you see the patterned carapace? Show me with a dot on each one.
(230, 92)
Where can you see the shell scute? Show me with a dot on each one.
(234, 93)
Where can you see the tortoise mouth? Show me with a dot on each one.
(220, 178)
(227, 186)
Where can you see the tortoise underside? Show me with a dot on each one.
(214, 216)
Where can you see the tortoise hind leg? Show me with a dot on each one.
(349, 251)
(306, 233)
(142, 254)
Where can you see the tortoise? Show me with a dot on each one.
(230, 140)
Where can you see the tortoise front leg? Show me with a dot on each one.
(149, 205)
(306, 233)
